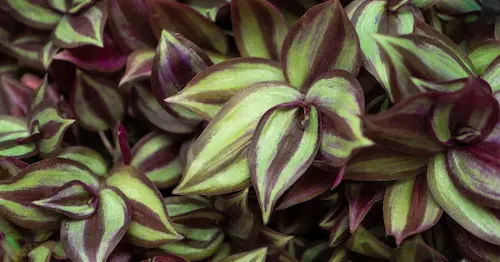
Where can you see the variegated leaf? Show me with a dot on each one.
(323, 39)
(192, 251)
(166, 258)
(481, 221)
(93, 58)
(58, 252)
(482, 53)
(339, 98)
(212, 9)
(73, 200)
(361, 198)
(150, 225)
(10, 246)
(86, 156)
(217, 162)
(259, 28)
(17, 193)
(181, 205)
(208, 91)
(129, 24)
(415, 250)
(37, 13)
(257, 255)
(14, 96)
(42, 252)
(10, 167)
(93, 239)
(86, 28)
(223, 252)
(492, 75)
(455, 7)
(284, 145)
(337, 222)
(96, 103)
(139, 65)
(157, 155)
(364, 242)
(424, 3)
(339, 255)
(180, 18)
(472, 247)
(25, 49)
(47, 54)
(41, 93)
(409, 208)
(69, 7)
(315, 252)
(14, 136)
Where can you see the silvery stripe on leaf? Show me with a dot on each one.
(35, 13)
(139, 66)
(86, 156)
(361, 197)
(364, 242)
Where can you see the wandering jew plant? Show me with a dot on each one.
(249, 130)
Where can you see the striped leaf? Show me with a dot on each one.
(47, 121)
(180, 18)
(129, 24)
(361, 198)
(25, 49)
(205, 98)
(166, 258)
(139, 65)
(415, 250)
(10, 167)
(73, 200)
(257, 255)
(217, 162)
(455, 7)
(481, 221)
(86, 156)
(212, 9)
(41, 93)
(365, 243)
(14, 96)
(181, 205)
(14, 136)
(93, 58)
(339, 98)
(10, 245)
(93, 239)
(323, 39)
(482, 53)
(145, 103)
(150, 225)
(96, 103)
(259, 28)
(492, 75)
(409, 208)
(337, 222)
(17, 193)
(58, 252)
(156, 155)
(369, 17)
(42, 252)
(284, 145)
(192, 251)
(339, 255)
(47, 54)
(472, 247)
(223, 252)
(35, 13)
(69, 7)
(82, 29)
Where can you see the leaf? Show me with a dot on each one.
(139, 65)
(42, 252)
(259, 28)
(223, 252)
(10, 247)
(10, 167)
(17, 193)
(323, 39)
(25, 48)
(194, 252)
(257, 255)
(96, 103)
(36, 13)
(182, 205)
(453, 7)
(93, 239)
(284, 145)
(363, 242)
(479, 220)
(180, 18)
(206, 99)
(47, 121)
(129, 25)
(361, 198)
(13, 130)
(339, 255)
(156, 155)
(370, 17)
(166, 258)
(86, 28)
(86, 156)
(41, 93)
(315, 252)
(409, 208)
(337, 222)
(150, 225)
(58, 252)
(69, 7)
(14, 96)
(212, 9)
(415, 250)
(339, 98)
(492, 75)
(93, 58)
(73, 200)
(47, 53)
(217, 162)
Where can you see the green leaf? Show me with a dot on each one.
(479, 220)
(86, 156)
(208, 91)
(12, 131)
(42, 252)
(365, 243)
(10, 167)
(483, 53)
(37, 14)
(25, 48)
(409, 208)
(150, 225)
(455, 7)
(492, 75)
(139, 65)
(472, 247)
(337, 222)
(217, 162)
(47, 53)
(193, 252)
(58, 252)
(86, 28)
(259, 28)
(94, 238)
(257, 255)
(156, 154)
(284, 145)
(69, 7)
(323, 39)
(339, 98)
(361, 198)
(415, 250)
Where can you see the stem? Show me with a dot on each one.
(107, 144)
